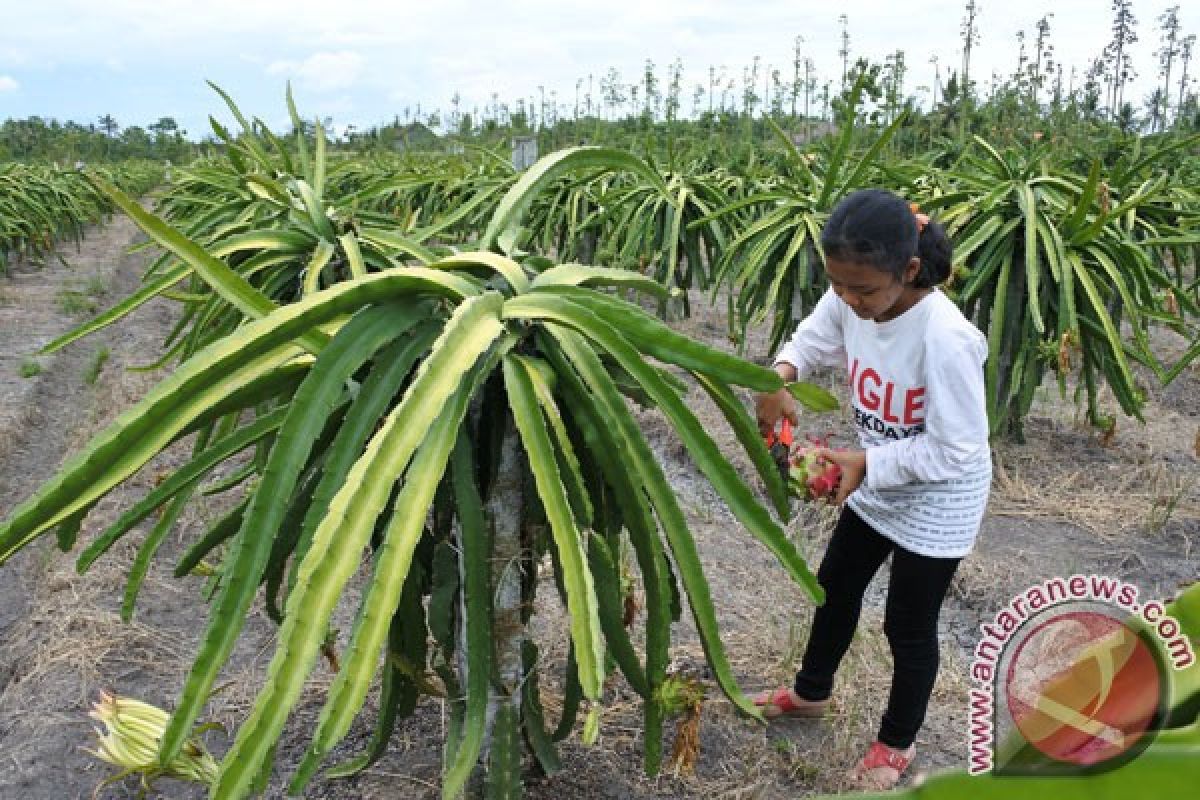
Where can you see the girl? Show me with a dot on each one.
(918, 488)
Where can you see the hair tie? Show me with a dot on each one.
(922, 219)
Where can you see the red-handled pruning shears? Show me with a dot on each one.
(784, 437)
(780, 445)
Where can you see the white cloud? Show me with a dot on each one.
(13, 57)
(8, 83)
(323, 72)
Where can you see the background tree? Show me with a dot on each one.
(109, 125)
(970, 38)
(1167, 52)
(613, 91)
(651, 95)
(798, 82)
(1043, 59)
(1185, 59)
(1124, 30)
(844, 50)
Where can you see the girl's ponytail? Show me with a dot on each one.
(936, 254)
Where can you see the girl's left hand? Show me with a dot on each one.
(854, 469)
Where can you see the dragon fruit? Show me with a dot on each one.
(811, 475)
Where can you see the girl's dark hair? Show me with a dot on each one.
(878, 228)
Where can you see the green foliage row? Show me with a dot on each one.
(41, 207)
(1095, 239)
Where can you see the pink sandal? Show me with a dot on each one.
(882, 766)
(780, 703)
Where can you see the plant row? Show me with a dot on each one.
(44, 206)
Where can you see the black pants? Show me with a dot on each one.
(918, 585)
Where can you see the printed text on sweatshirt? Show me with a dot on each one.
(917, 392)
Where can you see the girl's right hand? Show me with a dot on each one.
(770, 407)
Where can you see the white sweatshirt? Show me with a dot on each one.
(917, 388)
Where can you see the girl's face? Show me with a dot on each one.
(872, 293)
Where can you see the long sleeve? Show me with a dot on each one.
(818, 340)
(955, 439)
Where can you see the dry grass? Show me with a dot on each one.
(72, 641)
(13, 422)
(20, 413)
(975, 583)
(1108, 500)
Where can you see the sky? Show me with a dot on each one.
(363, 62)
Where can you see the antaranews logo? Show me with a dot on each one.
(1071, 678)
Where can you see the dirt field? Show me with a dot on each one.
(1062, 503)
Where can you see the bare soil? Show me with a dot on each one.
(1062, 503)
